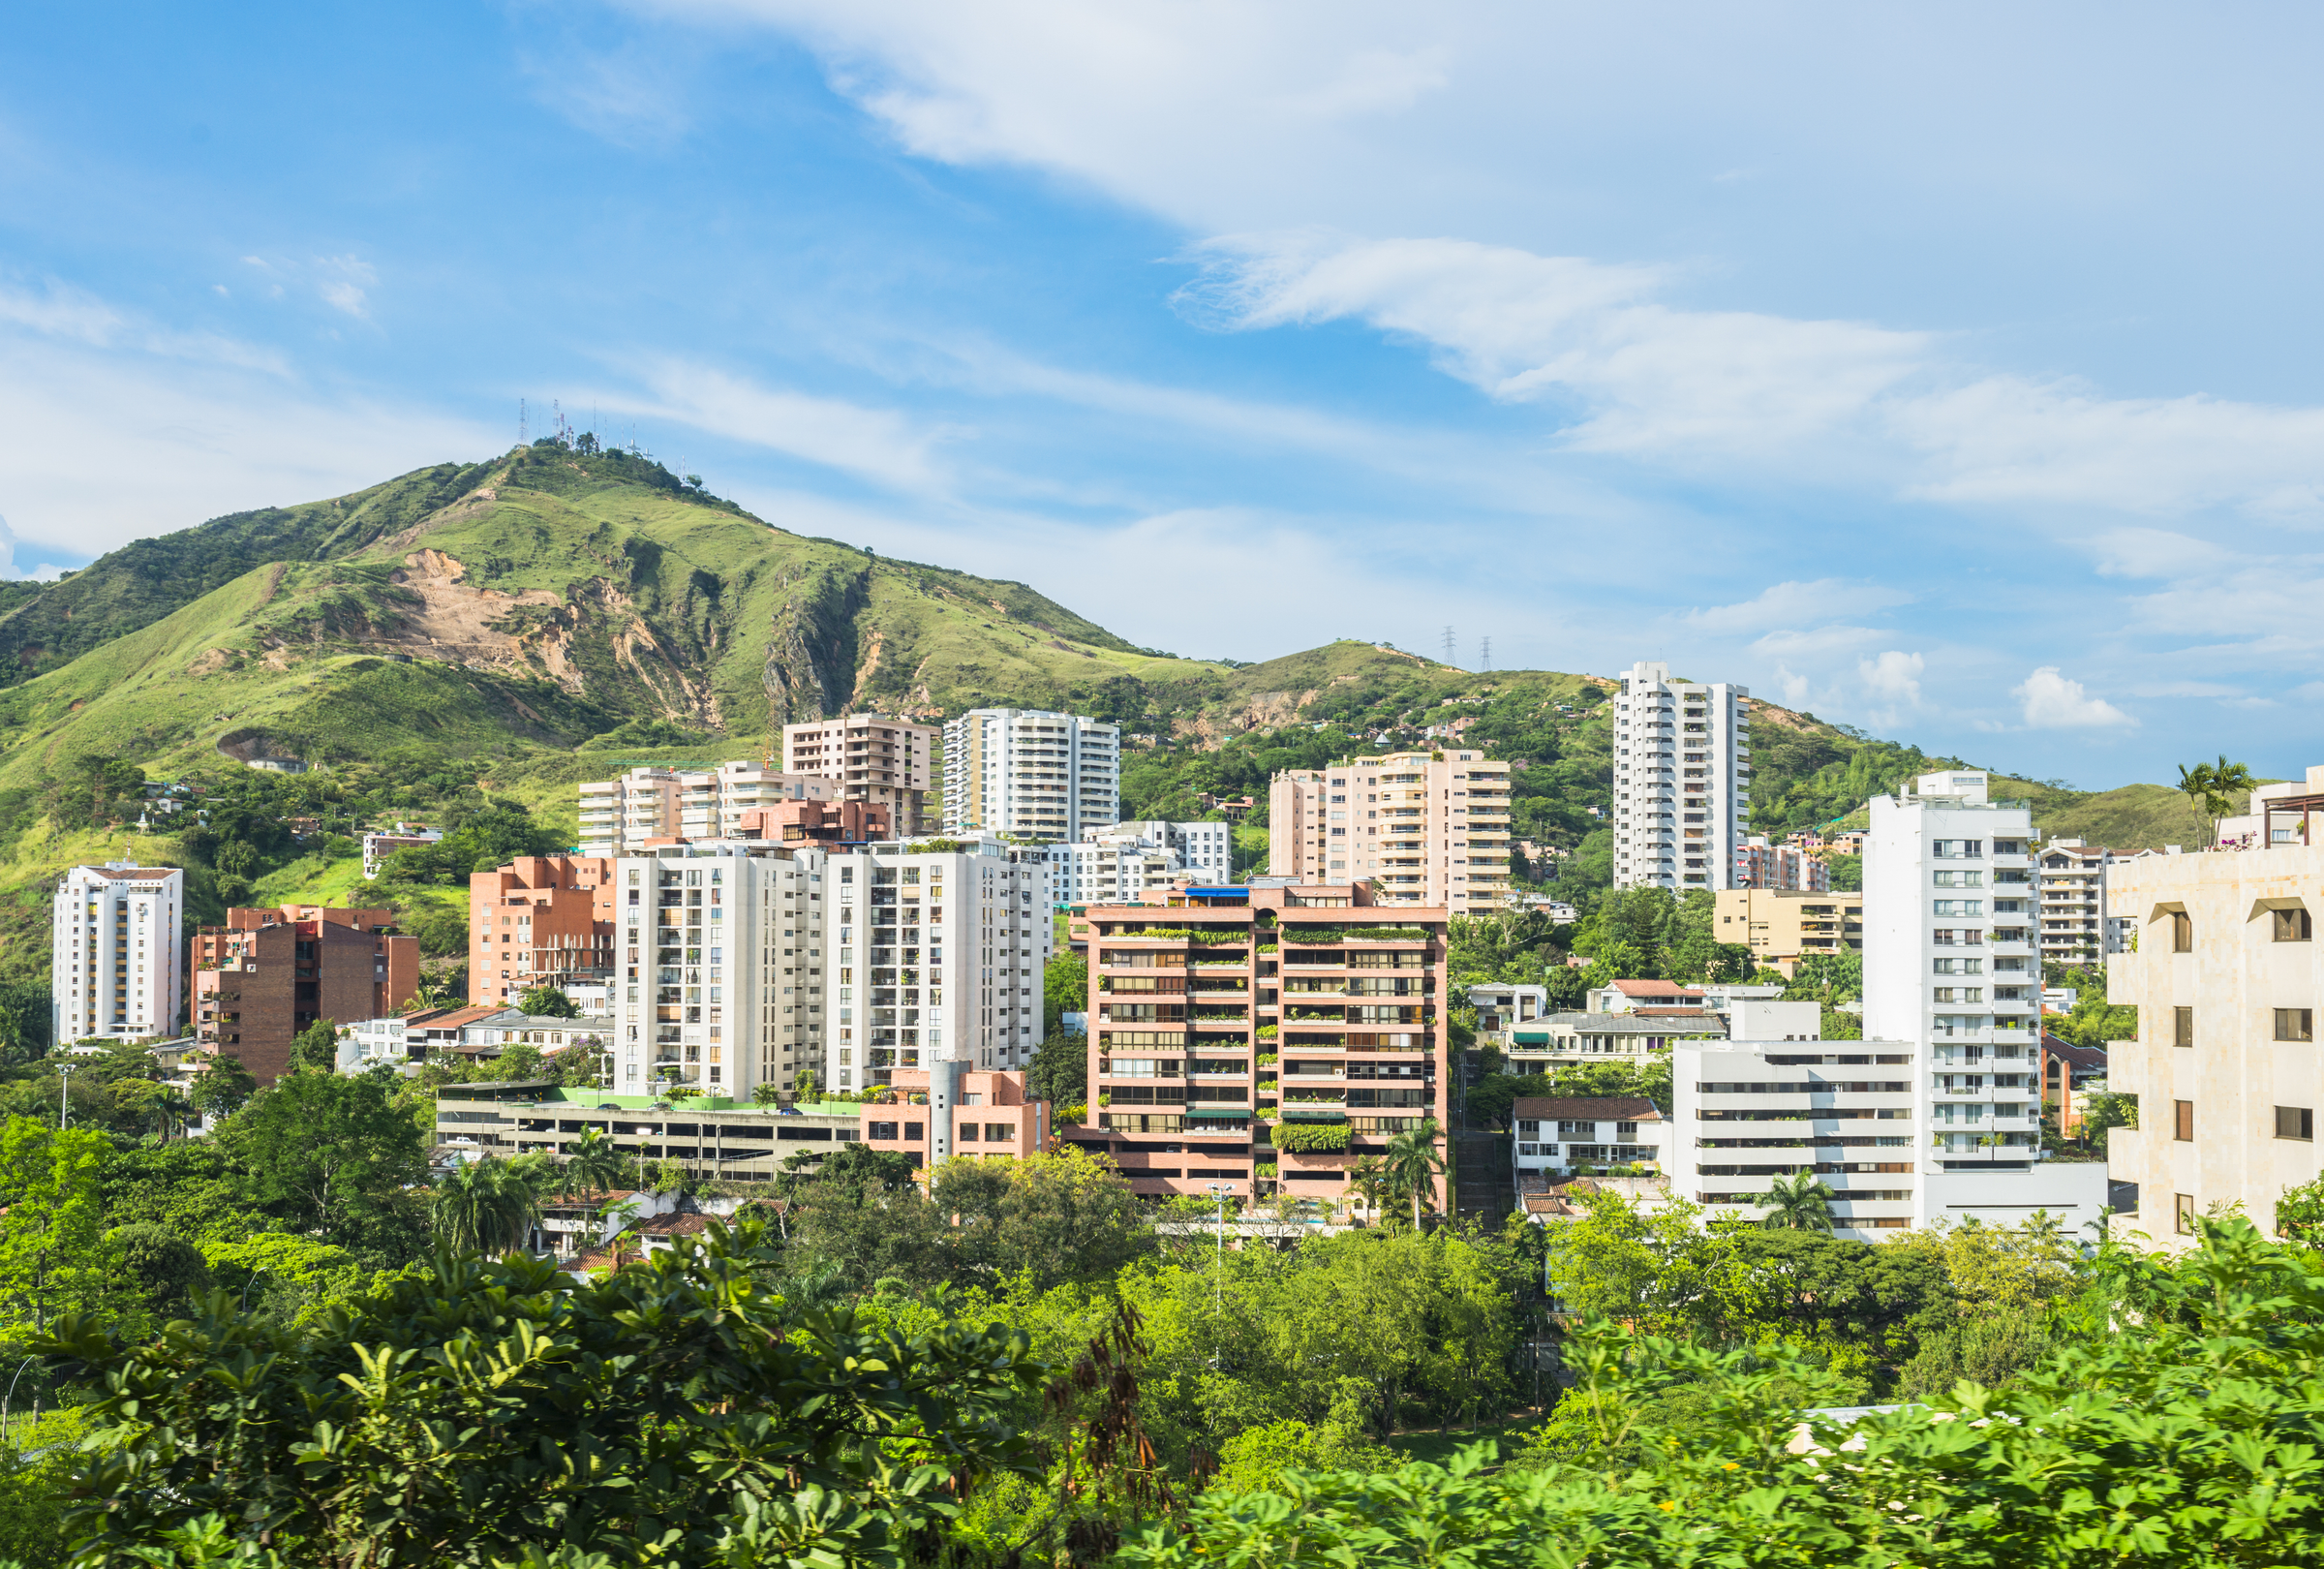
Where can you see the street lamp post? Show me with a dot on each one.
(63, 1080)
(1219, 1191)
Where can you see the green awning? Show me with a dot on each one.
(1218, 1111)
(1531, 1038)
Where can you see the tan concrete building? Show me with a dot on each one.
(542, 920)
(2071, 878)
(1427, 828)
(1031, 773)
(2226, 974)
(889, 762)
(1784, 925)
(1298, 1024)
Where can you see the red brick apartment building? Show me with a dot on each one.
(1218, 1011)
(542, 920)
(266, 975)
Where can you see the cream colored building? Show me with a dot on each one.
(1784, 926)
(619, 816)
(871, 758)
(1428, 827)
(2225, 973)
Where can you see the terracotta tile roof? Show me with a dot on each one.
(1655, 988)
(1606, 1109)
(673, 1225)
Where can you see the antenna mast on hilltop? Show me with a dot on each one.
(1449, 645)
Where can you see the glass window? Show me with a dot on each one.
(2295, 1024)
(2182, 1027)
(2293, 926)
(2182, 1121)
(2185, 1210)
(2296, 1123)
(2183, 932)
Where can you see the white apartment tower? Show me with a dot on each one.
(1682, 779)
(116, 952)
(1952, 967)
(1112, 866)
(871, 758)
(721, 973)
(1031, 773)
(937, 957)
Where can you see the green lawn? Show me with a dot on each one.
(1438, 1445)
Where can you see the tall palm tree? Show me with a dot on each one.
(2195, 784)
(2228, 781)
(592, 1164)
(487, 1204)
(1802, 1203)
(1369, 1181)
(170, 1107)
(1412, 1164)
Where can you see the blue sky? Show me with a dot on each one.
(1948, 371)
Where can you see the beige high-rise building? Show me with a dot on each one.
(117, 951)
(2225, 971)
(872, 758)
(1427, 828)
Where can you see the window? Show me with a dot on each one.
(2296, 1123)
(2183, 932)
(2293, 926)
(2182, 1121)
(2185, 1209)
(2295, 1024)
(2182, 1027)
(880, 1131)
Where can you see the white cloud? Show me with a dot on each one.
(1794, 686)
(1894, 676)
(1791, 604)
(2054, 702)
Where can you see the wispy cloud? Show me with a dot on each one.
(883, 446)
(1794, 604)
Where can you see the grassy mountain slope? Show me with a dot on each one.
(550, 598)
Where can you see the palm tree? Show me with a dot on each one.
(1802, 1203)
(1369, 1181)
(171, 1107)
(1412, 1164)
(593, 1163)
(488, 1204)
(2195, 784)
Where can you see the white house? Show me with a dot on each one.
(1557, 1136)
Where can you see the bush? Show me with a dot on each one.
(1309, 1138)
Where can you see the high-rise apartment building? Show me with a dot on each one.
(623, 815)
(2226, 972)
(936, 956)
(1191, 993)
(1682, 779)
(720, 972)
(1031, 774)
(1951, 969)
(266, 975)
(2075, 926)
(1427, 828)
(872, 758)
(1115, 865)
(116, 964)
(542, 920)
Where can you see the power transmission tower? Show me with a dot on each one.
(1449, 645)
(524, 425)
(1489, 653)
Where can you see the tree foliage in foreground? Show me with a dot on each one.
(474, 1413)
(2196, 1443)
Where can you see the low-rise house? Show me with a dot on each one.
(575, 1224)
(1558, 1135)
(409, 1037)
(1564, 1039)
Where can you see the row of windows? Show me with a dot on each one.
(2291, 1123)
(2283, 926)
(2291, 1024)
